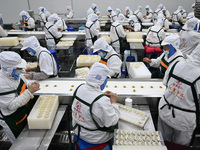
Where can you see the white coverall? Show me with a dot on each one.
(61, 25)
(177, 17)
(70, 14)
(3, 33)
(130, 12)
(149, 14)
(189, 38)
(136, 24)
(138, 14)
(90, 31)
(47, 63)
(177, 125)
(117, 32)
(166, 13)
(155, 35)
(105, 113)
(50, 27)
(30, 21)
(11, 102)
(42, 16)
(157, 11)
(165, 21)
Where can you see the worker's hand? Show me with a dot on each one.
(113, 96)
(144, 17)
(27, 76)
(29, 69)
(128, 27)
(99, 29)
(23, 26)
(147, 60)
(35, 86)
(125, 30)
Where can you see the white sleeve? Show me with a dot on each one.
(166, 27)
(3, 32)
(31, 23)
(162, 35)
(137, 27)
(121, 31)
(109, 115)
(150, 15)
(114, 65)
(156, 62)
(46, 64)
(70, 15)
(94, 31)
(43, 17)
(55, 32)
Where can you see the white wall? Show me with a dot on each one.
(10, 9)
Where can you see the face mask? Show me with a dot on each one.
(102, 55)
(104, 84)
(24, 16)
(166, 52)
(109, 11)
(42, 10)
(163, 11)
(131, 22)
(32, 52)
(127, 11)
(16, 73)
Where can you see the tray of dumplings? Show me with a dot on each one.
(121, 147)
(132, 115)
(138, 138)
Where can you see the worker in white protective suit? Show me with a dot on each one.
(43, 15)
(61, 25)
(52, 34)
(183, 12)
(128, 12)
(155, 34)
(117, 33)
(170, 55)
(191, 14)
(46, 64)
(91, 31)
(149, 13)
(166, 13)
(93, 9)
(108, 57)
(29, 23)
(177, 17)
(3, 32)
(134, 25)
(157, 11)
(179, 107)
(118, 11)
(138, 14)
(70, 12)
(190, 38)
(165, 21)
(16, 94)
(109, 9)
(94, 113)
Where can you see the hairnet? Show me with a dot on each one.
(147, 6)
(174, 40)
(23, 12)
(160, 6)
(133, 17)
(127, 8)
(93, 6)
(69, 8)
(139, 8)
(180, 8)
(92, 17)
(121, 18)
(191, 23)
(109, 8)
(97, 75)
(53, 18)
(114, 16)
(10, 59)
(117, 11)
(31, 42)
(101, 44)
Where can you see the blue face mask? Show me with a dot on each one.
(147, 9)
(109, 11)
(131, 22)
(172, 50)
(16, 73)
(32, 52)
(42, 10)
(104, 84)
(166, 52)
(102, 55)
(164, 11)
(25, 17)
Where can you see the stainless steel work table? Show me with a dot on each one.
(38, 139)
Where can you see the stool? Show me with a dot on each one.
(128, 54)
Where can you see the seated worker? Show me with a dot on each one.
(165, 21)
(91, 31)
(61, 25)
(94, 113)
(155, 35)
(166, 13)
(70, 12)
(190, 38)
(43, 15)
(92, 9)
(52, 35)
(170, 55)
(46, 64)
(3, 32)
(128, 12)
(29, 23)
(109, 9)
(138, 14)
(108, 57)
(15, 94)
(117, 33)
(157, 11)
(178, 118)
(134, 25)
(177, 17)
(149, 13)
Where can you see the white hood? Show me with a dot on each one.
(101, 44)
(53, 17)
(194, 57)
